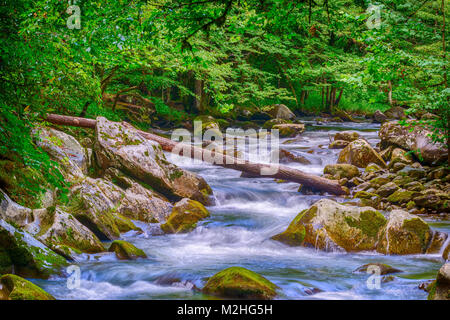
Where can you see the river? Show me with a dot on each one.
(246, 214)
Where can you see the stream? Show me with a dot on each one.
(246, 214)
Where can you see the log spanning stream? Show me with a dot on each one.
(248, 211)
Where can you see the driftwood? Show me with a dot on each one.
(251, 168)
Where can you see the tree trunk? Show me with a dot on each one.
(390, 92)
(198, 90)
(253, 169)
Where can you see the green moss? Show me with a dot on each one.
(401, 196)
(238, 282)
(370, 222)
(184, 217)
(17, 288)
(420, 228)
(126, 251)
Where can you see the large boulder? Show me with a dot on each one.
(379, 117)
(61, 232)
(66, 150)
(207, 123)
(418, 140)
(27, 256)
(240, 283)
(347, 136)
(440, 289)
(13, 212)
(272, 122)
(279, 111)
(13, 287)
(126, 251)
(404, 234)
(342, 170)
(124, 148)
(328, 225)
(184, 217)
(95, 203)
(360, 154)
(289, 129)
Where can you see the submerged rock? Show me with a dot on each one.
(404, 234)
(440, 289)
(383, 268)
(360, 154)
(125, 149)
(418, 140)
(27, 256)
(13, 287)
(286, 156)
(184, 217)
(126, 251)
(328, 225)
(240, 283)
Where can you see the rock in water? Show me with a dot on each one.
(328, 225)
(379, 117)
(184, 217)
(16, 288)
(125, 149)
(28, 256)
(240, 283)
(126, 251)
(279, 111)
(349, 136)
(289, 129)
(360, 154)
(419, 140)
(338, 144)
(60, 229)
(383, 268)
(404, 234)
(440, 289)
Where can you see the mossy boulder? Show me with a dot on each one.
(328, 225)
(279, 111)
(446, 252)
(440, 289)
(373, 167)
(432, 198)
(418, 141)
(360, 154)
(383, 268)
(270, 123)
(404, 234)
(126, 251)
(13, 287)
(387, 189)
(124, 148)
(347, 136)
(207, 122)
(13, 212)
(402, 196)
(184, 217)
(289, 129)
(338, 144)
(66, 150)
(28, 256)
(58, 228)
(240, 283)
(342, 170)
(399, 155)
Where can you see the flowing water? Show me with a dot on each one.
(246, 214)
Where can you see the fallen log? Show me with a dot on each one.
(253, 169)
